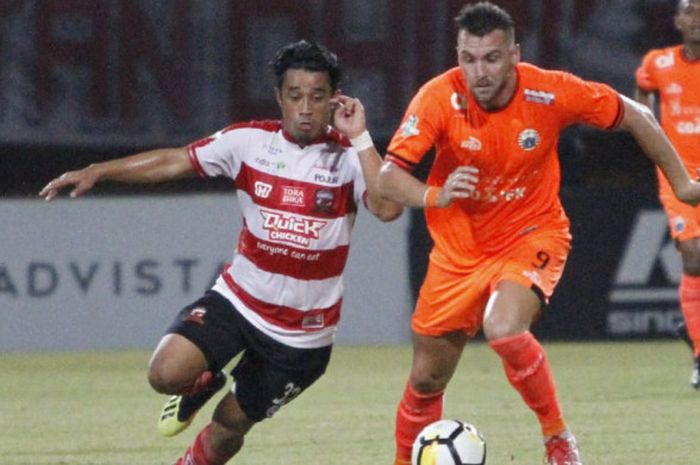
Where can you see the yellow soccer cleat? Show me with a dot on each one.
(169, 425)
(179, 411)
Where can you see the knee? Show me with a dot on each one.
(691, 265)
(428, 381)
(496, 328)
(690, 255)
(165, 378)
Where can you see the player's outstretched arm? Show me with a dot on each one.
(644, 127)
(147, 167)
(350, 119)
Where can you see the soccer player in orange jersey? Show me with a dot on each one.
(674, 74)
(491, 201)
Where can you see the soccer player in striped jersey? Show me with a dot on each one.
(673, 73)
(299, 184)
(491, 200)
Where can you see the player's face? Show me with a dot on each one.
(305, 101)
(688, 21)
(488, 64)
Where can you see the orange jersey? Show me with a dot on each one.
(677, 82)
(515, 149)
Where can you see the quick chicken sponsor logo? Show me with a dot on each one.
(291, 229)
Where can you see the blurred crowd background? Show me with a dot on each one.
(86, 80)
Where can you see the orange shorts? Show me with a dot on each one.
(455, 300)
(683, 219)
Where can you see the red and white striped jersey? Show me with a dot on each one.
(299, 206)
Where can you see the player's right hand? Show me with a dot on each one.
(82, 180)
(460, 184)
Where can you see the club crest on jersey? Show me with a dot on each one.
(678, 224)
(410, 127)
(291, 229)
(529, 139)
(458, 101)
(324, 200)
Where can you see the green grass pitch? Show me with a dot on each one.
(628, 403)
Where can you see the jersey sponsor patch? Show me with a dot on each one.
(539, 96)
(472, 143)
(688, 127)
(458, 101)
(291, 229)
(665, 61)
(292, 195)
(410, 127)
(262, 189)
(673, 89)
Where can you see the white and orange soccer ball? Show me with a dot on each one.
(449, 442)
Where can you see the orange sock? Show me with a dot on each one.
(527, 368)
(690, 306)
(415, 412)
(201, 452)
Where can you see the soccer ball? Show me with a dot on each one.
(449, 442)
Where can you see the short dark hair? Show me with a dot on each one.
(482, 18)
(308, 56)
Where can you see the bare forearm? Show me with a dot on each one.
(147, 167)
(656, 146)
(401, 187)
(380, 206)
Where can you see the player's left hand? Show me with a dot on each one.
(691, 195)
(81, 181)
(349, 116)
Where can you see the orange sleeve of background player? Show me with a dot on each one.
(644, 75)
